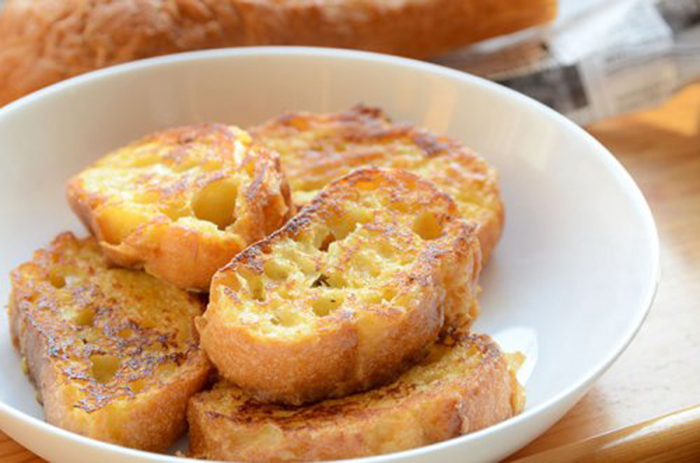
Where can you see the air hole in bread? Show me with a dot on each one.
(56, 278)
(389, 294)
(350, 221)
(427, 226)
(104, 367)
(321, 280)
(137, 385)
(255, 285)
(147, 158)
(326, 242)
(85, 317)
(274, 270)
(324, 305)
(119, 221)
(211, 166)
(186, 164)
(402, 207)
(257, 289)
(216, 203)
(287, 318)
(175, 212)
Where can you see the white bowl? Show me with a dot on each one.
(569, 284)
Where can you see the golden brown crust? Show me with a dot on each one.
(347, 294)
(318, 148)
(182, 202)
(44, 41)
(414, 28)
(113, 353)
(464, 385)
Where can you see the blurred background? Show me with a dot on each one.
(599, 58)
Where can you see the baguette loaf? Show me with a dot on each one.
(45, 41)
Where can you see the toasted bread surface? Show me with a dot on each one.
(113, 352)
(182, 202)
(318, 148)
(464, 384)
(44, 41)
(349, 293)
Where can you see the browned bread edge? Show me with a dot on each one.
(345, 356)
(45, 41)
(153, 425)
(386, 420)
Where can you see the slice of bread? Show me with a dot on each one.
(182, 202)
(44, 41)
(318, 148)
(463, 385)
(347, 295)
(113, 352)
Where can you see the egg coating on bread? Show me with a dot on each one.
(182, 202)
(349, 293)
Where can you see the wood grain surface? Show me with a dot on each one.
(660, 371)
(672, 437)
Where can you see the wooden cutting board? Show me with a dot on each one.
(660, 371)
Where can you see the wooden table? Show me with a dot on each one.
(660, 371)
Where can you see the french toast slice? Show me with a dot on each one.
(113, 352)
(464, 384)
(318, 148)
(347, 295)
(182, 202)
